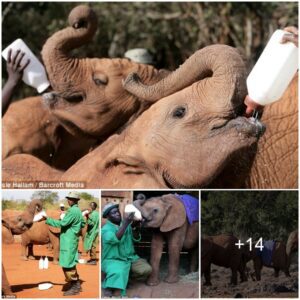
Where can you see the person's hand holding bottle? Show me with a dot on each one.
(292, 36)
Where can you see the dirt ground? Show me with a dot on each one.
(25, 276)
(268, 287)
(187, 287)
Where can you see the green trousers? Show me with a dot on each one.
(140, 270)
(93, 253)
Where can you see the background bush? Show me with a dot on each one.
(267, 214)
(171, 30)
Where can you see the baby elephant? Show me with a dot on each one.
(222, 251)
(177, 218)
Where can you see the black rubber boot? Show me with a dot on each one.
(73, 289)
(78, 285)
(66, 286)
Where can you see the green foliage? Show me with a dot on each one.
(171, 30)
(15, 205)
(50, 200)
(267, 214)
(48, 197)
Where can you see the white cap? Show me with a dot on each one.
(139, 55)
(61, 205)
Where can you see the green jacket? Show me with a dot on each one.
(92, 230)
(112, 248)
(117, 256)
(70, 226)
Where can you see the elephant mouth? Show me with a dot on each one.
(249, 127)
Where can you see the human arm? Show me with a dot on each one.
(68, 219)
(93, 219)
(15, 73)
(125, 224)
(292, 36)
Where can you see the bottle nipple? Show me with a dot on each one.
(252, 106)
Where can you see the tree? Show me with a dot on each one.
(47, 197)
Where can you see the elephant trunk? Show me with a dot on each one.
(34, 205)
(139, 205)
(61, 68)
(219, 69)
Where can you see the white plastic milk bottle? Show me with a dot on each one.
(41, 263)
(46, 263)
(34, 74)
(272, 73)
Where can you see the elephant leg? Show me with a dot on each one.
(30, 252)
(175, 244)
(6, 290)
(207, 276)
(233, 276)
(194, 260)
(287, 273)
(257, 267)
(276, 273)
(157, 244)
(243, 270)
(24, 251)
(55, 244)
(243, 273)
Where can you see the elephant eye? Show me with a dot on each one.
(179, 112)
(100, 80)
(155, 210)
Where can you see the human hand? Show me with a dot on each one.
(13, 66)
(129, 218)
(292, 36)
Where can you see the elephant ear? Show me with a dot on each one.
(7, 236)
(176, 215)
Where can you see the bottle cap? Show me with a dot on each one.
(43, 86)
(251, 106)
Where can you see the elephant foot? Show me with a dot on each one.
(171, 279)
(152, 281)
(24, 257)
(31, 257)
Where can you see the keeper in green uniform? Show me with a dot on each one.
(91, 237)
(70, 226)
(118, 257)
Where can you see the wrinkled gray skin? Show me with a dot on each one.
(168, 216)
(15, 226)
